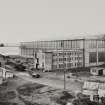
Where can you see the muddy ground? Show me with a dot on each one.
(20, 92)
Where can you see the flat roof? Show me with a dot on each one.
(98, 68)
(77, 39)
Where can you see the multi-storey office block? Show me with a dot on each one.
(68, 53)
(67, 59)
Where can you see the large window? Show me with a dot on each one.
(69, 65)
(79, 64)
(54, 66)
(62, 66)
(69, 59)
(92, 57)
(62, 59)
(92, 43)
(101, 44)
(61, 54)
(101, 56)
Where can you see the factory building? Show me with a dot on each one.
(59, 54)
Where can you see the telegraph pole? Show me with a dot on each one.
(34, 54)
(62, 45)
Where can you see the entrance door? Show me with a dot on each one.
(37, 66)
(100, 72)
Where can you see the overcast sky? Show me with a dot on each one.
(29, 20)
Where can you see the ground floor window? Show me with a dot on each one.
(62, 66)
(54, 66)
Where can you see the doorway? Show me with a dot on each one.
(37, 66)
(100, 72)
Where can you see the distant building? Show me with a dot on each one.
(67, 53)
(10, 49)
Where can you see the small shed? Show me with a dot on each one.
(90, 88)
(101, 90)
(93, 88)
(1, 80)
(4, 73)
(9, 74)
(97, 71)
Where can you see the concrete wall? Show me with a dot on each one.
(48, 61)
(41, 59)
(45, 60)
(1, 80)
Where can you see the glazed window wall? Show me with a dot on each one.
(54, 66)
(75, 44)
(73, 53)
(61, 66)
(60, 54)
(62, 59)
(55, 59)
(69, 65)
(27, 52)
(55, 54)
(35, 44)
(79, 64)
(22, 52)
(68, 44)
(69, 53)
(101, 44)
(92, 44)
(49, 45)
(101, 56)
(69, 59)
(95, 43)
(59, 45)
(92, 57)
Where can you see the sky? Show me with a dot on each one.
(30, 20)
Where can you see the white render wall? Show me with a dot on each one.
(41, 57)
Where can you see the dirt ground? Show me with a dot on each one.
(44, 95)
(21, 92)
(8, 93)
